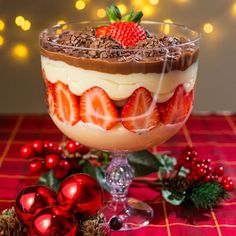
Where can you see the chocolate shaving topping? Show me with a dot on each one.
(179, 52)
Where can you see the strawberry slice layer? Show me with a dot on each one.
(140, 112)
(50, 96)
(97, 108)
(176, 109)
(66, 104)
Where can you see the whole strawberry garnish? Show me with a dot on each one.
(126, 30)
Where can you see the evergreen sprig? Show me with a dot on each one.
(205, 195)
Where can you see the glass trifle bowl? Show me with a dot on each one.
(120, 98)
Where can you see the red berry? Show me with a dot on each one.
(27, 151)
(58, 150)
(215, 177)
(36, 166)
(62, 170)
(48, 146)
(219, 170)
(38, 146)
(207, 161)
(72, 146)
(52, 161)
(229, 186)
(201, 172)
(209, 169)
(225, 179)
(83, 150)
(208, 178)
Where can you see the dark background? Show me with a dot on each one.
(21, 87)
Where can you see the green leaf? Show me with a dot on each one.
(183, 171)
(114, 13)
(137, 17)
(100, 175)
(173, 198)
(50, 180)
(168, 163)
(143, 162)
(89, 169)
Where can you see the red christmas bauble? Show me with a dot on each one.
(61, 171)
(31, 200)
(72, 146)
(36, 166)
(53, 221)
(80, 193)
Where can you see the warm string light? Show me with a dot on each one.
(101, 13)
(23, 23)
(166, 26)
(62, 22)
(80, 5)
(1, 40)
(208, 28)
(154, 2)
(123, 8)
(20, 51)
(2, 25)
(148, 10)
(234, 9)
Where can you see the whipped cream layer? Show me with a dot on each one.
(119, 86)
(118, 138)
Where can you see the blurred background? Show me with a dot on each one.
(21, 87)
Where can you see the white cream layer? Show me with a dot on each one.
(118, 138)
(118, 86)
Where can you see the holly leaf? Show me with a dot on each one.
(50, 180)
(89, 169)
(183, 172)
(167, 163)
(143, 162)
(100, 175)
(172, 197)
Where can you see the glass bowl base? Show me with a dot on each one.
(134, 213)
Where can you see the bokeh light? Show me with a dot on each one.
(208, 28)
(234, 9)
(20, 51)
(182, 1)
(101, 13)
(123, 8)
(148, 10)
(166, 26)
(168, 21)
(26, 25)
(2, 25)
(1, 40)
(61, 22)
(154, 2)
(19, 20)
(138, 3)
(80, 5)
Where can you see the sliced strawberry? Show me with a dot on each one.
(101, 31)
(97, 108)
(177, 108)
(66, 104)
(140, 112)
(50, 96)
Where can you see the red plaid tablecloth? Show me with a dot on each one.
(213, 136)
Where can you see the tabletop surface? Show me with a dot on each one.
(213, 136)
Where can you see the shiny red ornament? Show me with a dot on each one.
(72, 146)
(61, 171)
(49, 147)
(227, 183)
(53, 221)
(52, 161)
(36, 166)
(27, 152)
(38, 146)
(31, 200)
(80, 193)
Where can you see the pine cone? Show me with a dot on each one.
(178, 184)
(10, 225)
(95, 226)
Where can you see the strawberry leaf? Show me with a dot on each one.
(114, 13)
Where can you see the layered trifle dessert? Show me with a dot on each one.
(119, 85)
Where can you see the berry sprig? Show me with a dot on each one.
(47, 156)
(201, 170)
(126, 30)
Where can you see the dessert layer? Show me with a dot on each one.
(119, 86)
(118, 138)
(127, 64)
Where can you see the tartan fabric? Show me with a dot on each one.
(213, 136)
